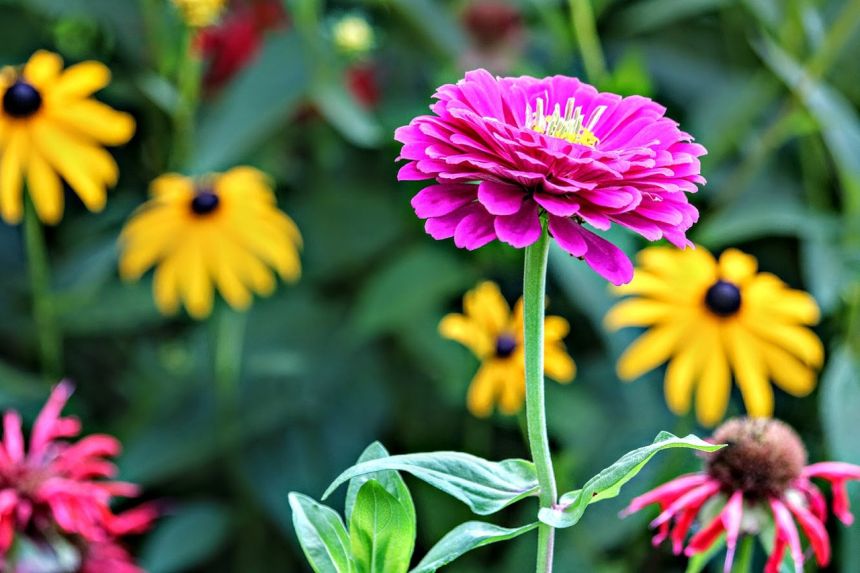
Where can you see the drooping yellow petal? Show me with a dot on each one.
(95, 120)
(483, 390)
(797, 340)
(194, 279)
(43, 69)
(45, 188)
(686, 366)
(638, 312)
(770, 299)
(787, 372)
(558, 364)
(737, 267)
(11, 175)
(749, 368)
(166, 284)
(650, 350)
(487, 307)
(227, 278)
(714, 388)
(464, 330)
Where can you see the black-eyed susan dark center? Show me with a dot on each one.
(505, 345)
(762, 457)
(21, 100)
(723, 298)
(205, 201)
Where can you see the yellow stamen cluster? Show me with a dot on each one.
(570, 126)
(200, 13)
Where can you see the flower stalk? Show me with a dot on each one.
(534, 293)
(47, 329)
(189, 76)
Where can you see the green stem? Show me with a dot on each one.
(47, 329)
(534, 288)
(744, 559)
(585, 29)
(189, 76)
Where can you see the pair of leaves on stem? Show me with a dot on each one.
(381, 516)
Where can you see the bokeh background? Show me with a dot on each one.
(351, 353)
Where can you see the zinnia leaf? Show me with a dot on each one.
(607, 484)
(486, 487)
(322, 535)
(381, 531)
(464, 538)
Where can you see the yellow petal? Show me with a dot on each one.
(463, 330)
(512, 385)
(797, 340)
(737, 267)
(43, 69)
(787, 372)
(769, 298)
(172, 186)
(80, 81)
(166, 284)
(650, 350)
(558, 365)
(11, 175)
(45, 188)
(487, 307)
(194, 280)
(638, 312)
(555, 328)
(95, 120)
(714, 388)
(686, 366)
(749, 368)
(483, 390)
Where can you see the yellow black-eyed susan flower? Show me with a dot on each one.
(494, 334)
(51, 130)
(710, 319)
(200, 13)
(219, 231)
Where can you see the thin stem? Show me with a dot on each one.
(534, 287)
(189, 77)
(47, 329)
(585, 29)
(744, 559)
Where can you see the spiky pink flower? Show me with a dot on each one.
(761, 474)
(505, 152)
(54, 486)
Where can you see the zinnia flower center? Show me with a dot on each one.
(570, 126)
(205, 202)
(21, 100)
(505, 345)
(763, 457)
(723, 298)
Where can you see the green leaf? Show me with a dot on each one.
(607, 484)
(837, 117)
(390, 480)
(840, 402)
(337, 105)
(186, 540)
(381, 531)
(322, 535)
(486, 487)
(254, 106)
(464, 538)
(650, 15)
(699, 561)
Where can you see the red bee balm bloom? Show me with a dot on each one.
(506, 151)
(59, 486)
(761, 472)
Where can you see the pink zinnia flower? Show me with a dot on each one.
(55, 485)
(505, 152)
(761, 474)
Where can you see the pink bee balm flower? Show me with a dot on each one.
(56, 486)
(761, 475)
(505, 152)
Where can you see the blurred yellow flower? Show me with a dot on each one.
(200, 13)
(220, 231)
(51, 131)
(495, 335)
(710, 319)
(353, 34)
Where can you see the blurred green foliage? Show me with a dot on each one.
(351, 353)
